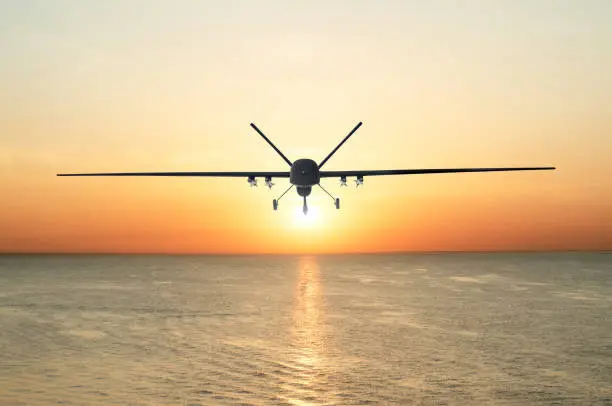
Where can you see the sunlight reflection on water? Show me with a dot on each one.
(308, 331)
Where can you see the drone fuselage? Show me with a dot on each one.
(304, 174)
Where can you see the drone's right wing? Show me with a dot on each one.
(332, 174)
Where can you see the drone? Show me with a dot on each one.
(305, 174)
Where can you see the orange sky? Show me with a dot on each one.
(109, 86)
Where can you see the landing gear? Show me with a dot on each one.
(304, 192)
(336, 200)
(275, 201)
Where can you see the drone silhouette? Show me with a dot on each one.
(304, 174)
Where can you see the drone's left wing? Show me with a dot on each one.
(194, 174)
(332, 174)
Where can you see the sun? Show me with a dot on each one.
(310, 220)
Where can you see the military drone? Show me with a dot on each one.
(304, 174)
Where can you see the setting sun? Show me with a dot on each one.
(310, 220)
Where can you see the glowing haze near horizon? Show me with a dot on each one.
(155, 85)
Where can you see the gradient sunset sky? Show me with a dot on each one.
(173, 85)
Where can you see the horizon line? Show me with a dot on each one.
(399, 252)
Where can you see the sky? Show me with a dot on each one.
(172, 86)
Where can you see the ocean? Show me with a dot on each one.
(422, 329)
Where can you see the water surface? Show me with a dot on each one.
(368, 329)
